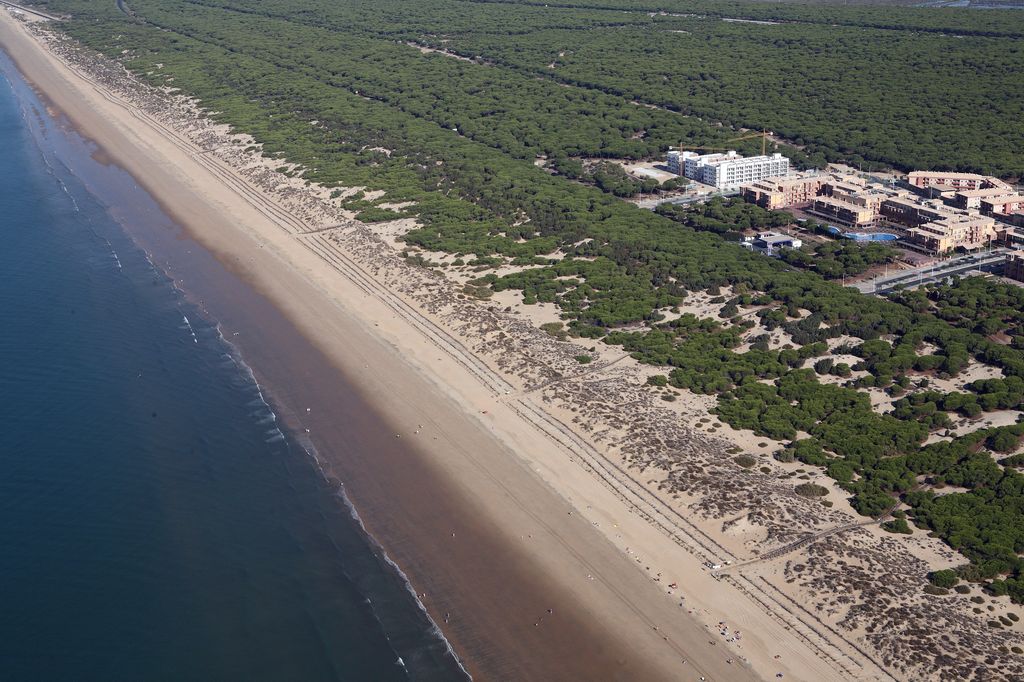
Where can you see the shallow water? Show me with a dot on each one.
(156, 520)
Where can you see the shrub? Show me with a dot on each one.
(945, 578)
(1003, 441)
(897, 526)
(746, 461)
(784, 455)
(556, 330)
(811, 490)
(481, 293)
(374, 214)
(584, 359)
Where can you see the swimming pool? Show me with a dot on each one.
(864, 236)
(875, 237)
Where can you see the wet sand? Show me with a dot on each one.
(474, 528)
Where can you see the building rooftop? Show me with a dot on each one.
(1004, 199)
(772, 238)
(793, 180)
(839, 203)
(987, 192)
(933, 205)
(940, 175)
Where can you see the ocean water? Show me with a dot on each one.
(156, 521)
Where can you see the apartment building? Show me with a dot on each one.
(1015, 266)
(729, 170)
(938, 228)
(781, 192)
(912, 212)
(842, 212)
(1013, 237)
(674, 162)
(947, 234)
(849, 200)
(855, 191)
(1006, 204)
(971, 198)
(954, 181)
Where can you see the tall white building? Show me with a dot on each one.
(674, 161)
(729, 170)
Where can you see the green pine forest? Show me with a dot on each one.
(356, 94)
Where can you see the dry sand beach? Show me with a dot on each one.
(508, 479)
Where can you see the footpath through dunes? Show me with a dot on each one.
(477, 530)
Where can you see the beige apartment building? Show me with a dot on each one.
(954, 181)
(930, 224)
(947, 234)
(782, 192)
(842, 211)
(1006, 204)
(913, 212)
(937, 228)
(1015, 266)
(971, 198)
(1013, 237)
(849, 200)
(855, 191)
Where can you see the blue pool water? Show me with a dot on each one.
(872, 237)
(864, 236)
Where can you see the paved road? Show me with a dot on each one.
(988, 261)
(654, 202)
(30, 10)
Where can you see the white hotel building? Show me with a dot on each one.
(729, 170)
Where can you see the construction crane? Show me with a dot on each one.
(763, 134)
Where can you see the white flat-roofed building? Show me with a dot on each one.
(729, 170)
(674, 161)
(771, 242)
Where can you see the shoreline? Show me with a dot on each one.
(649, 656)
